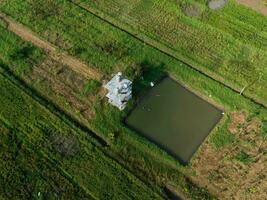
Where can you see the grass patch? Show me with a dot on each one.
(27, 174)
(109, 49)
(211, 44)
(244, 158)
(90, 87)
(36, 122)
(222, 138)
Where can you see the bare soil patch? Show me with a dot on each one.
(228, 175)
(258, 5)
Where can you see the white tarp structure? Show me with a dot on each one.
(119, 91)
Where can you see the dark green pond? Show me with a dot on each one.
(174, 118)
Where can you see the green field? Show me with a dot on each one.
(228, 45)
(36, 127)
(35, 123)
(49, 108)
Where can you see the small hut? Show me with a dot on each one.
(119, 91)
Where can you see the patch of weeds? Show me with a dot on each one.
(43, 9)
(222, 138)
(244, 158)
(264, 128)
(112, 47)
(23, 53)
(90, 87)
(67, 146)
(213, 176)
(133, 70)
(251, 190)
(111, 136)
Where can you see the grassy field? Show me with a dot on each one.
(25, 172)
(40, 84)
(69, 150)
(228, 45)
(234, 56)
(110, 49)
(38, 128)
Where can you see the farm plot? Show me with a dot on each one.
(229, 55)
(214, 52)
(29, 117)
(53, 137)
(135, 153)
(26, 174)
(27, 35)
(73, 94)
(58, 83)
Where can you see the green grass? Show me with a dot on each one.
(221, 54)
(244, 158)
(36, 125)
(228, 45)
(90, 87)
(21, 54)
(110, 49)
(25, 173)
(35, 121)
(129, 150)
(223, 137)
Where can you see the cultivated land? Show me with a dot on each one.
(56, 104)
(232, 51)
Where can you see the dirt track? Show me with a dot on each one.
(75, 64)
(255, 4)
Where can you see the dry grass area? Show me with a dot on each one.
(237, 170)
(259, 5)
(61, 83)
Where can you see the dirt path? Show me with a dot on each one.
(75, 64)
(256, 5)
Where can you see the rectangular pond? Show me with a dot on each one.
(174, 118)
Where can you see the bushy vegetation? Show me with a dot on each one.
(90, 87)
(244, 157)
(21, 54)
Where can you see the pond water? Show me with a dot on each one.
(174, 118)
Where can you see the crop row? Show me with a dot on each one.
(236, 59)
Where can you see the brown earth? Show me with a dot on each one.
(258, 5)
(75, 64)
(228, 177)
